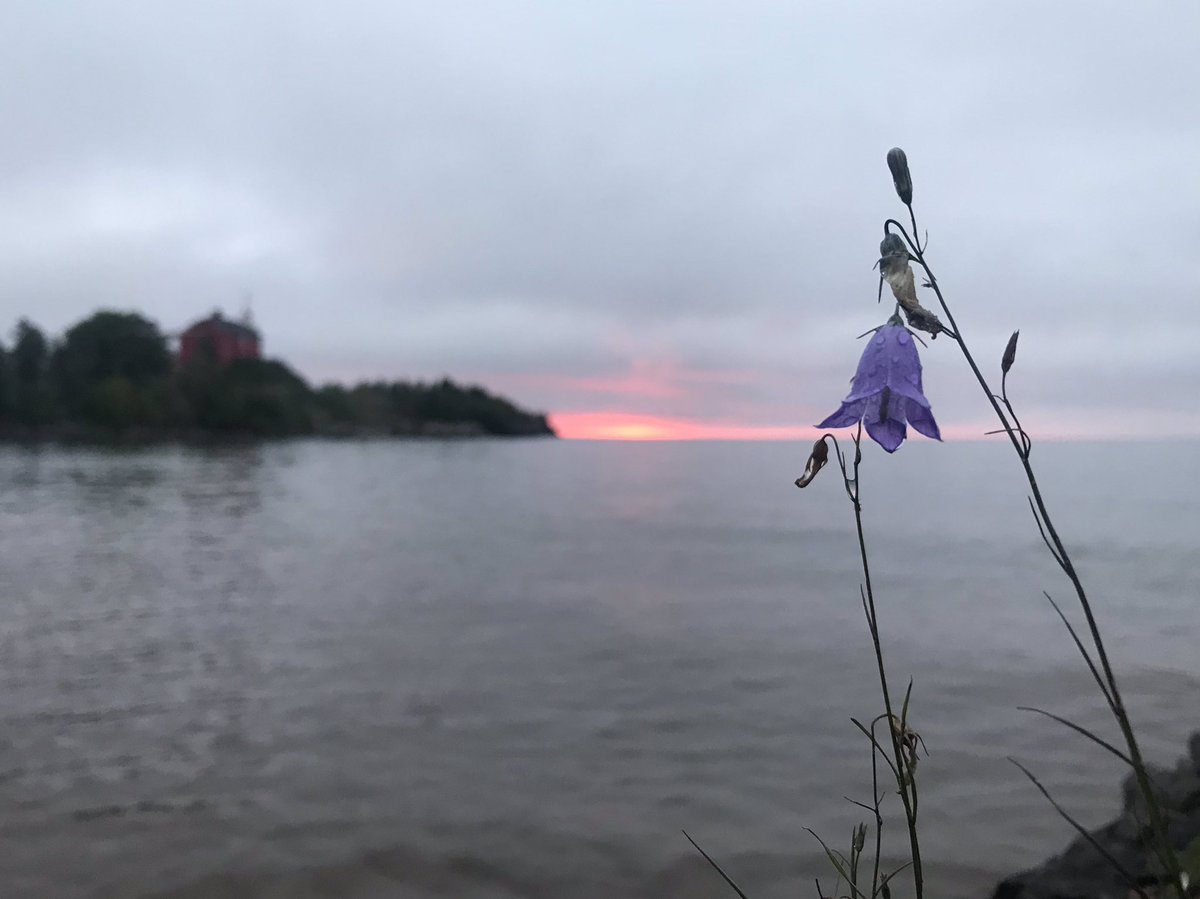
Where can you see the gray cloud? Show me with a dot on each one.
(566, 196)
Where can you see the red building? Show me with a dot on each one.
(216, 337)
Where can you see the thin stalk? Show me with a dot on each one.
(875, 797)
(874, 810)
(1063, 558)
(909, 817)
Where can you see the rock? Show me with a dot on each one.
(1080, 872)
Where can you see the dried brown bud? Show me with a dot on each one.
(898, 163)
(909, 740)
(1010, 353)
(816, 461)
(895, 268)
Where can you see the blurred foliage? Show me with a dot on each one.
(114, 374)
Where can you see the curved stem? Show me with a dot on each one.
(1063, 558)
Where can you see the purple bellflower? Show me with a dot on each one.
(886, 394)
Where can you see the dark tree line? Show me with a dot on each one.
(114, 373)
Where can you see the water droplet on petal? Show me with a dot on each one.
(895, 358)
(902, 338)
(915, 378)
(880, 340)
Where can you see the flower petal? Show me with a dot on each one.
(904, 365)
(887, 381)
(889, 433)
(872, 373)
(849, 413)
(910, 391)
(921, 418)
(884, 419)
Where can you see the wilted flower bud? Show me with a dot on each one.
(898, 163)
(909, 740)
(816, 461)
(892, 247)
(1010, 353)
(895, 269)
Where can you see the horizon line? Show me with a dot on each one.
(637, 428)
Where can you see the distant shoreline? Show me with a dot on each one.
(113, 379)
(89, 436)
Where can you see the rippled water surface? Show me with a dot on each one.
(518, 669)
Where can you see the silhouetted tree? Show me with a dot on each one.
(33, 399)
(111, 344)
(30, 353)
(7, 385)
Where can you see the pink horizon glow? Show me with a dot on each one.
(665, 401)
(616, 425)
(631, 426)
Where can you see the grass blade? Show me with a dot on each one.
(839, 864)
(708, 858)
(1079, 828)
(1079, 729)
(1083, 652)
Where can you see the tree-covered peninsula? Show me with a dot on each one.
(114, 375)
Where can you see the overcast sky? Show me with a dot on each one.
(667, 210)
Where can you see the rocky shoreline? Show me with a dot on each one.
(1080, 872)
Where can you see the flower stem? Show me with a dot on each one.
(1158, 824)
(872, 621)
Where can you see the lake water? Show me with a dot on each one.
(519, 669)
